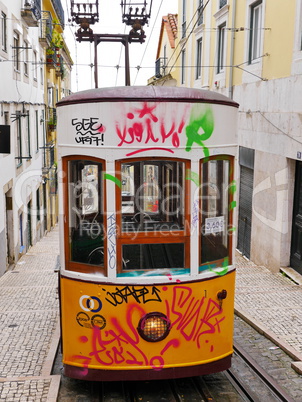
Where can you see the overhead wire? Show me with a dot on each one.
(150, 35)
(75, 45)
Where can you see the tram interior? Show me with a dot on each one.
(155, 225)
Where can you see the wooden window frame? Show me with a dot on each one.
(72, 265)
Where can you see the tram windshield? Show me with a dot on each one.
(152, 196)
(152, 214)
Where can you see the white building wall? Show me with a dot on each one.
(276, 136)
(23, 93)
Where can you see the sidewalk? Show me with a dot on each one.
(29, 318)
(29, 331)
(271, 303)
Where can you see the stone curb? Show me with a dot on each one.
(54, 388)
(48, 364)
(289, 350)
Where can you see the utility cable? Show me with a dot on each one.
(150, 35)
(187, 38)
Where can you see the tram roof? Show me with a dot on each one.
(148, 93)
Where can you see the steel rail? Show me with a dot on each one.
(269, 381)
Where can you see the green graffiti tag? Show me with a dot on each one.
(115, 180)
(200, 128)
(213, 267)
(233, 187)
(194, 177)
(232, 205)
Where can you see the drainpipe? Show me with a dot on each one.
(232, 51)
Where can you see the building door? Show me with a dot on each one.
(9, 228)
(45, 206)
(246, 160)
(296, 244)
(29, 237)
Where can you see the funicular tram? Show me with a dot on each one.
(146, 224)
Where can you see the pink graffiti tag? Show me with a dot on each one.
(193, 317)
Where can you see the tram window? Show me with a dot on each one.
(152, 197)
(215, 210)
(85, 212)
(150, 256)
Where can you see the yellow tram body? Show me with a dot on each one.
(147, 200)
(103, 339)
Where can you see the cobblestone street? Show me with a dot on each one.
(29, 319)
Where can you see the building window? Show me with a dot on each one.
(222, 3)
(35, 66)
(221, 48)
(25, 58)
(19, 138)
(255, 31)
(50, 96)
(198, 58)
(16, 50)
(3, 32)
(184, 24)
(183, 66)
(200, 12)
(37, 130)
(6, 118)
(41, 72)
(28, 146)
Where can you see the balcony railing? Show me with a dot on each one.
(31, 12)
(51, 118)
(57, 5)
(45, 29)
(160, 67)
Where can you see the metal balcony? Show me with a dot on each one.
(160, 67)
(51, 118)
(31, 12)
(57, 5)
(45, 29)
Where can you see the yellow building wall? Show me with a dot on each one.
(279, 40)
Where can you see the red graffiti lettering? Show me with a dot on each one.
(147, 110)
(144, 126)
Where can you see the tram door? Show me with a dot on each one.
(296, 245)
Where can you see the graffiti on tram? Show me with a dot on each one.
(192, 319)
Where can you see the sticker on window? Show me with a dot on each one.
(214, 225)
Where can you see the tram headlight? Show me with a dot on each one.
(154, 327)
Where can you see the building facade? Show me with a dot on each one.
(251, 51)
(27, 146)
